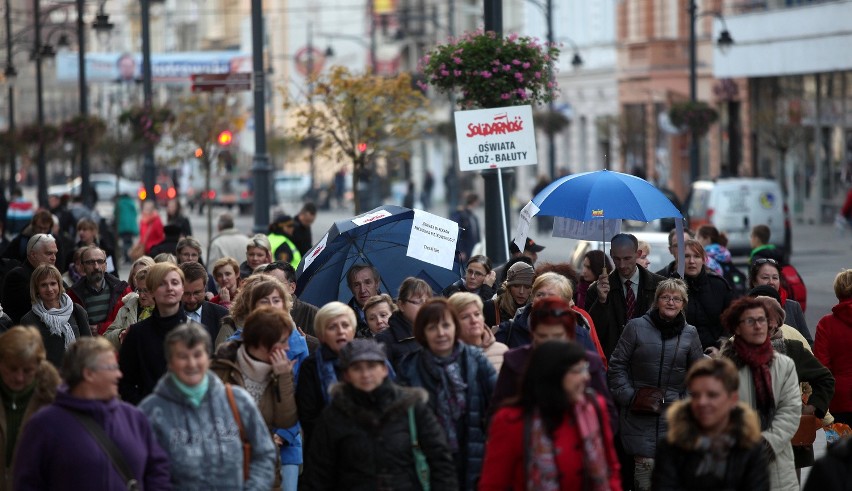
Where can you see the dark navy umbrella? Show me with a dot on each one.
(382, 242)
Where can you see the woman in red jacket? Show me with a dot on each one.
(832, 344)
(556, 435)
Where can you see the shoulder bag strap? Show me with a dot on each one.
(233, 403)
(109, 448)
(497, 312)
(421, 464)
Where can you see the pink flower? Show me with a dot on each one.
(505, 96)
(506, 68)
(526, 65)
(495, 69)
(486, 74)
(512, 37)
(457, 60)
(422, 85)
(537, 74)
(522, 93)
(457, 73)
(516, 62)
(444, 73)
(519, 76)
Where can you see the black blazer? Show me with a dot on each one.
(211, 317)
(611, 317)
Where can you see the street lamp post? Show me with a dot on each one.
(149, 169)
(41, 161)
(261, 169)
(724, 42)
(10, 74)
(86, 186)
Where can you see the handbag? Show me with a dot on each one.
(806, 434)
(421, 465)
(652, 400)
(239, 421)
(109, 448)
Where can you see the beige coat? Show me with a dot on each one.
(127, 316)
(788, 409)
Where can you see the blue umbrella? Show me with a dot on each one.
(604, 194)
(382, 243)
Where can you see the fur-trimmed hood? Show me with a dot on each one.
(684, 431)
(373, 409)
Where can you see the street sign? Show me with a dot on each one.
(221, 82)
(495, 138)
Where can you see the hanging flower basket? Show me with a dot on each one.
(33, 134)
(695, 117)
(147, 124)
(486, 70)
(550, 121)
(80, 129)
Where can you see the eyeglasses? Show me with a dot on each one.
(92, 262)
(142, 291)
(765, 260)
(581, 368)
(669, 298)
(199, 293)
(475, 274)
(43, 236)
(418, 301)
(751, 321)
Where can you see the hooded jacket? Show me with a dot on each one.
(370, 435)
(56, 452)
(831, 348)
(203, 443)
(677, 464)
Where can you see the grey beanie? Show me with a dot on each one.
(520, 273)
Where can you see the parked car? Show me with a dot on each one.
(291, 186)
(735, 205)
(164, 190)
(103, 184)
(228, 191)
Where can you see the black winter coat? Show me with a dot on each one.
(480, 377)
(677, 462)
(309, 397)
(362, 442)
(709, 296)
(485, 292)
(398, 338)
(833, 471)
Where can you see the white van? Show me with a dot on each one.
(735, 205)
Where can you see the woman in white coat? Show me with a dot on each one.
(768, 383)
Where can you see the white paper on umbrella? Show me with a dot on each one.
(596, 229)
(313, 253)
(523, 229)
(370, 217)
(433, 239)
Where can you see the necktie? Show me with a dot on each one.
(631, 299)
(194, 316)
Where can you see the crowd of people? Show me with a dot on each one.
(188, 374)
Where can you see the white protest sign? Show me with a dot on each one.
(523, 229)
(495, 138)
(370, 217)
(597, 229)
(433, 239)
(313, 253)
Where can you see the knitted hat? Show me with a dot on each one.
(765, 291)
(361, 350)
(520, 273)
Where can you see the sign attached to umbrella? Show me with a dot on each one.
(495, 138)
(433, 239)
(590, 230)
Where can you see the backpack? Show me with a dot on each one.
(795, 285)
(736, 279)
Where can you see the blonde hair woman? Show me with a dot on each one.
(472, 328)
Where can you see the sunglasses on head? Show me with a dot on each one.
(765, 260)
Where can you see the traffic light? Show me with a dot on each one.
(199, 152)
(362, 147)
(225, 138)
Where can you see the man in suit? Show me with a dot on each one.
(623, 294)
(194, 304)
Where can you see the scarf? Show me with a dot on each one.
(759, 358)
(451, 400)
(145, 312)
(327, 363)
(542, 471)
(669, 328)
(56, 320)
(714, 452)
(784, 296)
(193, 394)
(596, 472)
(256, 373)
